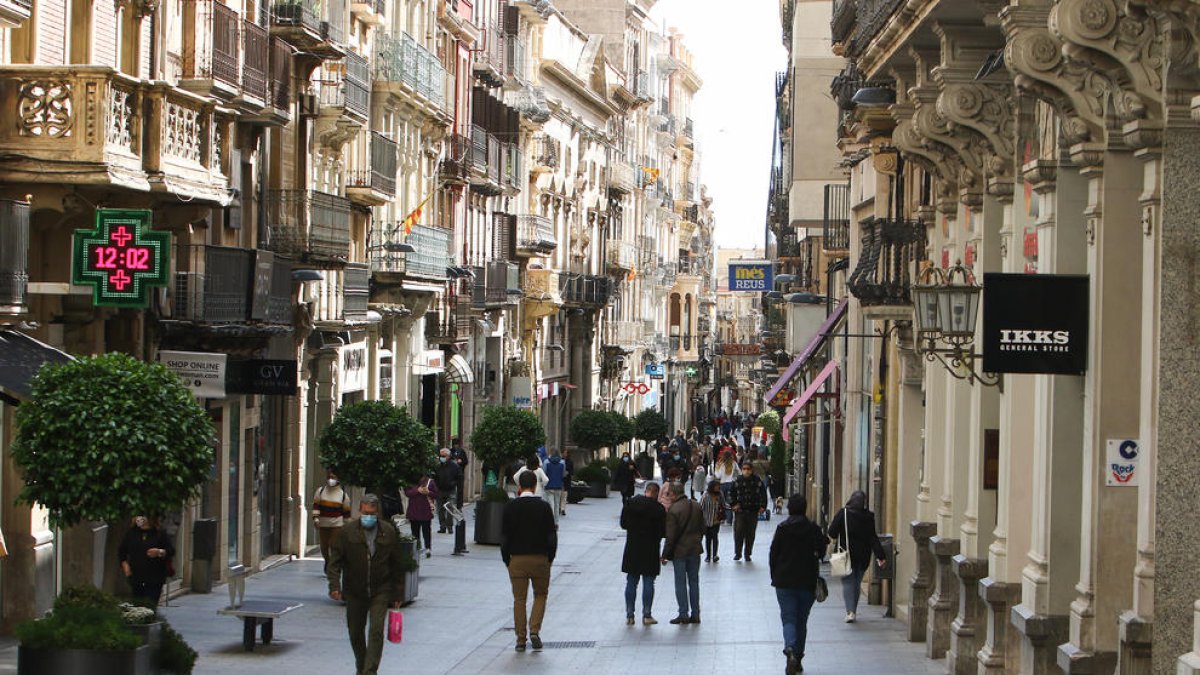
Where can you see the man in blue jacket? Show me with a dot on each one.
(556, 472)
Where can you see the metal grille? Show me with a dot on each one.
(569, 644)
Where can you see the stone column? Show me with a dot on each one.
(908, 476)
(944, 600)
(1107, 547)
(1177, 454)
(921, 583)
(965, 631)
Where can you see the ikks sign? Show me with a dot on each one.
(751, 275)
(1035, 323)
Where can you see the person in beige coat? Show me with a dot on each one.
(685, 530)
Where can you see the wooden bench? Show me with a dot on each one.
(254, 612)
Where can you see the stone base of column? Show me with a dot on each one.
(1040, 637)
(999, 598)
(1074, 661)
(966, 630)
(1137, 634)
(944, 601)
(920, 586)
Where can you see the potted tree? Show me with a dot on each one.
(592, 430)
(598, 478)
(623, 429)
(133, 428)
(504, 435)
(649, 426)
(378, 446)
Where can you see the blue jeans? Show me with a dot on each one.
(850, 588)
(726, 490)
(631, 584)
(687, 584)
(794, 606)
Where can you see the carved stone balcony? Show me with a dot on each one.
(627, 335)
(543, 296)
(369, 12)
(309, 225)
(622, 177)
(99, 127)
(535, 236)
(621, 255)
(344, 98)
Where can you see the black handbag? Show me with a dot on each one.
(822, 589)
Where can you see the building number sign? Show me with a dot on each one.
(121, 258)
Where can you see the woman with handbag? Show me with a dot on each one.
(422, 501)
(855, 539)
(796, 552)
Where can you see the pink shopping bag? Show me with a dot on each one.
(395, 625)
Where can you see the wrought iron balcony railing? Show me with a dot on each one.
(455, 166)
(835, 239)
(535, 235)
(887, 265)
(256, 51)
(429, 259)
(545, 151)
(212, 50)
(403, 62)
(307, 223)
(585, 289)
(381, 176)
(221, 284)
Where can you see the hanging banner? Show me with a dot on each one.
(354, 367)
(202, 372)
(751, 275)
(1035, 323)
(1121, 468)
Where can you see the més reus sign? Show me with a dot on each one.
(121, 258)
(750, 275)
(1035, 323)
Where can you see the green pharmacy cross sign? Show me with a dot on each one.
(121, 258)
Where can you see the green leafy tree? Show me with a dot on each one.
(108, 437)
(506, 434)
(779, 459)
(592, 429)
(623, 428)
(649, 425)
(769, 421)
(378, 446)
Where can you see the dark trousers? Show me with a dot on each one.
(745, 524)
(367, 644)
(794, 606)
(419, 527)
(445, 523)
(149, 590)
(711, 540)
(325, 536)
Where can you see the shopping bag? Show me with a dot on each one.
(395, 625)
(839, 563)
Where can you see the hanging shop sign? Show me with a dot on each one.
(121, 258)
(387, 370)
(1035, 323)
(1121, 468)
(656, 370)
(752, 275)
(731, 349)
(262, 376)
(354, 367)
(202, 372)
(522, 392)
(783, 398)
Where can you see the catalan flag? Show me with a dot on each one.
(411, 219)
(651, 175)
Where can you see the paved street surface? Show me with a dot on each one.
(461, 621)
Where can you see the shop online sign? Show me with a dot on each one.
(752, 275)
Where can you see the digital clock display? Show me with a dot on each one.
(121, 258)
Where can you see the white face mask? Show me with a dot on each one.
(333, 482)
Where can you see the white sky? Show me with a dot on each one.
(737, 50)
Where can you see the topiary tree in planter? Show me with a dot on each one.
(623, 428)
(378, 446)
(108, 437)
(769, 421)
(649, 425)
(504, 435)
(592, 430)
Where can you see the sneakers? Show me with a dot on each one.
(680, 620)
(850, 617)
(647, 620)
(520, 646)
(536, 641)
(629, 620)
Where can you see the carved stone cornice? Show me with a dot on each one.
(935, 158)
(1127, 49)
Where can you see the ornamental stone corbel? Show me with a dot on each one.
(931, 124)
(1126, 48)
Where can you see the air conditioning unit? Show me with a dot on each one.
(189, 296)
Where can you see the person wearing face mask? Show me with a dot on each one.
(749, 498)
(366, 571)
(624, 477)
(448, 476)
(331, 508)
(145, 553)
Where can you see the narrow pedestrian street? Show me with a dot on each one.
(461, 621)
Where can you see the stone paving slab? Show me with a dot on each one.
(462, 618)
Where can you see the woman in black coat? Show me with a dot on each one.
(863, 540)
(645, 523)
(796, 553)
(624, 477)
(146, 555)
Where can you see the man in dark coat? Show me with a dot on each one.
(624, 477)
(645, 522)
(748, 498)
(796, 553)
(855, 525)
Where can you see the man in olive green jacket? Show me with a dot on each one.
(366, 571)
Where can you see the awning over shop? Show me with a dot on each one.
(458, 371)
(811, 348)
(20, 358)
(818, 382)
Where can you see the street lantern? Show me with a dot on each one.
(925, 303)
(946, 309)
(958, 306)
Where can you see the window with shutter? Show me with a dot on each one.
(504, 237)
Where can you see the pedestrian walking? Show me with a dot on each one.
(331, 508)
(146, 553)
(422, 500)
(725, 473)
(854, 527)
(624, 478)
(713, 507)
(699, 482)
(448, 475)
(645, 522)
(568, 476)
(533, 465)
(749, 498)
(529, 543)
(665, 496)
(366, 571)
(458, 455)
(685, 529)
(796, 552)
(556, 481)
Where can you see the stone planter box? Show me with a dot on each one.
(598, 489)
(84, 662)
(575, 494)
(489, 521)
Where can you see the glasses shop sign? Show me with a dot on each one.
(1035, 323)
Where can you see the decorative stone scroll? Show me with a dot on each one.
(45, 109)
